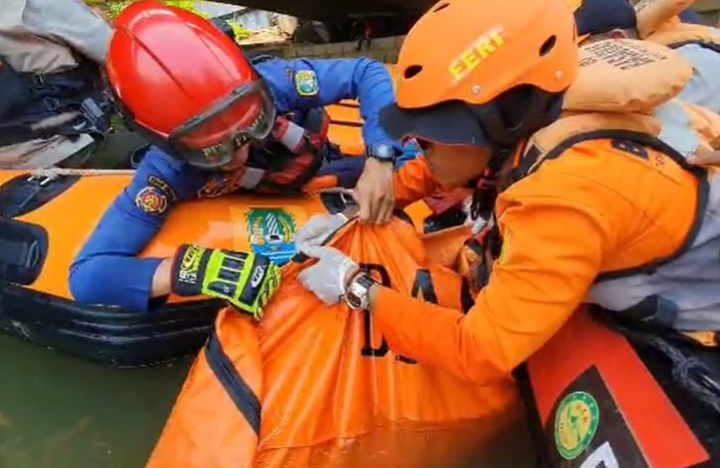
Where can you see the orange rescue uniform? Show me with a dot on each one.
(600, 207)
(593, 210)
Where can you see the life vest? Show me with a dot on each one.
(296, 156)
(676, 35)
(27, 100)
(45, 88)
(285, 163)
(657, 21)
(639, 107)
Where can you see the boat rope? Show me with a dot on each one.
(52, 173)
(689, 372)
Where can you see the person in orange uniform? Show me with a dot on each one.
(600, 204)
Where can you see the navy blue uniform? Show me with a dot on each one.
(107, 271)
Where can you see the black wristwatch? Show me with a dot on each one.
(383, 152)
(357, 296)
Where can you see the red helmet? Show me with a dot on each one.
(183, 83)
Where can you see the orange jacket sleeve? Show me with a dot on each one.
(552, 253)
(413, 181)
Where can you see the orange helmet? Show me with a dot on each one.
(180, 81)
(484, 73)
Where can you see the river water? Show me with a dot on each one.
(57, 411)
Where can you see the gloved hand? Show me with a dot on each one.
(246, 280)
(328, 277)
(318, 229)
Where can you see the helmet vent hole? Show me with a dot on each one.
(548, 45)
(442, 6)
(411, 71)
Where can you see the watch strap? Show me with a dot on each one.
(365, 280)
(383, 152)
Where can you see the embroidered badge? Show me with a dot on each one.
(152, 200)
(272, 233)
(163, 186)
(223, 183)
(306, 83)
(576, 423)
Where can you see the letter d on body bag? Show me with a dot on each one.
(312, 385)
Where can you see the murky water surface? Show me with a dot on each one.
(60, 412)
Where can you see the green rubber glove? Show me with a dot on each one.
(245, 280)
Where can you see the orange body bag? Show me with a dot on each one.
(312, 385)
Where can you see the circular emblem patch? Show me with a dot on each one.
(151, 200)
(576, 422)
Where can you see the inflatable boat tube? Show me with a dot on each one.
(346, 124)
(598, 399)
(346, 127)
(46, 222)
(313, 386)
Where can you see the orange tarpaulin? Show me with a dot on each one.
(312, 385)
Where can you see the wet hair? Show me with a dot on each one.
(604, 16)
(630, 33)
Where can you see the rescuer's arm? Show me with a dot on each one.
(107, 270)
(552, 254)
(411, 182)
(71, 22)
(308, 83)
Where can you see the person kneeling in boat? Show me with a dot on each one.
(219, 126)
(602, 205)
(52, 107)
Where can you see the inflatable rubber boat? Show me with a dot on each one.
(44, 228)
(45, 222)
(604, 395)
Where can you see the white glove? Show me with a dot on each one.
(327, 277)
(481, 223)
(318, 229)
(478, 225)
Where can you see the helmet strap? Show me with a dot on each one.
(508, 122)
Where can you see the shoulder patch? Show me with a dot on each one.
(306, 83)
(163, 186)
(152, 200)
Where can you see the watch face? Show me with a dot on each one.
(383, 152)
(353, 301)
